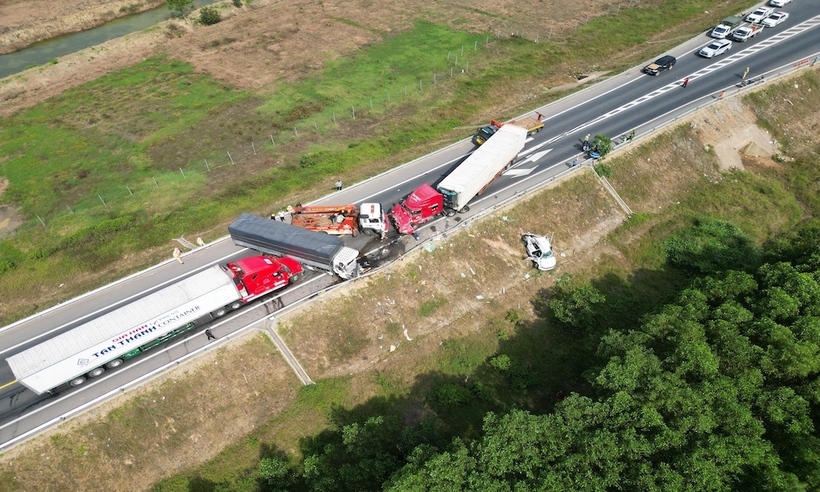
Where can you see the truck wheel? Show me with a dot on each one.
(93, 373)
(220, 312)
(464, 210)
(236, 305)
(368, 232)
(114, 363)
(294, 279)
(449, 212)
(77, 381)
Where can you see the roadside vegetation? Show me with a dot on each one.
(674, 308)
(120, 166)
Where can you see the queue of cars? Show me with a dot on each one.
(753, 23)
(738, 28)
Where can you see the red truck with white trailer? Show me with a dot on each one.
(105, 342)
(470, 178)
(341, 219)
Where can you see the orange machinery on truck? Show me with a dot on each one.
(341, 219)
(532, 125)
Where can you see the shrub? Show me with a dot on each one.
(453, 395)
(603, 170)
(481, 391)
(501, 363)
(209, 16)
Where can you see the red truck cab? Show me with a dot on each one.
(255, 276)
(420, 206)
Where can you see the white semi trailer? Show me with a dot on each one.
(105, 342)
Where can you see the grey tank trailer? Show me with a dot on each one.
(313, 249)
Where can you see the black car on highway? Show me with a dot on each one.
(661, 65)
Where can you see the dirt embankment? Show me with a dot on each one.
(24, 22)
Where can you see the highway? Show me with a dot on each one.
(614, 106)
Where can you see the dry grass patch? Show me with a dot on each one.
(451, 291)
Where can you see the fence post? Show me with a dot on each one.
(271, 141)
(155, 181)
(129, 190)
(101, 199)
(253, 147)
(69, 209)
(229, 156)
(207, 166)
(182, 172)
(41, 220)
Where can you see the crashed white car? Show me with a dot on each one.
(539, 251)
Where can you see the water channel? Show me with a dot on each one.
(44, 51)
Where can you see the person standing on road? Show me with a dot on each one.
(338, 185)
(685, 82)
(745, 73)
(178, 255)
(209, 334)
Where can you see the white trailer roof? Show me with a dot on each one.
(73, 353)
(486, 162)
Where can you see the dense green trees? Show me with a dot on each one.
(717, 390)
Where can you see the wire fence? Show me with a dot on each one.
(205, 167)
(395, 95)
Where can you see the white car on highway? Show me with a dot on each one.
(778, 3)
(758, 15)
(774, 19)
(715, 48)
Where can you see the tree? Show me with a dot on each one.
(574, 304)
(180, 8)
(710, 246)
(604, 144)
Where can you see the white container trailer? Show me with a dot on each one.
(106, 341)
(482, 167)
